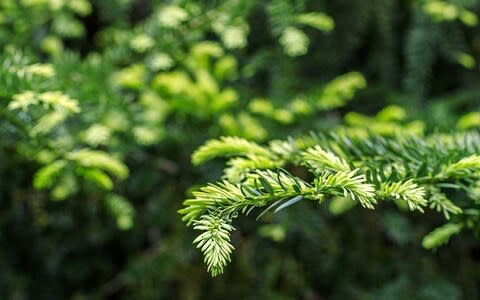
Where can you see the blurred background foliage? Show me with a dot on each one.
(103, 102)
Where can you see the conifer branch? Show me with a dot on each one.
(411, 169)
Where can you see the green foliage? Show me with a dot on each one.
(318, 20)
(441, 235)
(398, 169)
(227, 146)
(470, 120)
(99, 160)
(214, 242)
(441, 11)
(121, 209)
(102, 104)
(44, 178)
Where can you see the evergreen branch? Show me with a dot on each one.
(98, 159)
(465, 166)
(407, 191)
(319, 160)
(214, 242)
(349, 185)
(439, 202)
(367, 170)
(441, 235)
(238, 167)
(227, 146)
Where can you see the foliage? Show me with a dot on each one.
(102, 104)
(399, 169)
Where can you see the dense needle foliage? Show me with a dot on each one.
(349, 129)
(366, 169)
